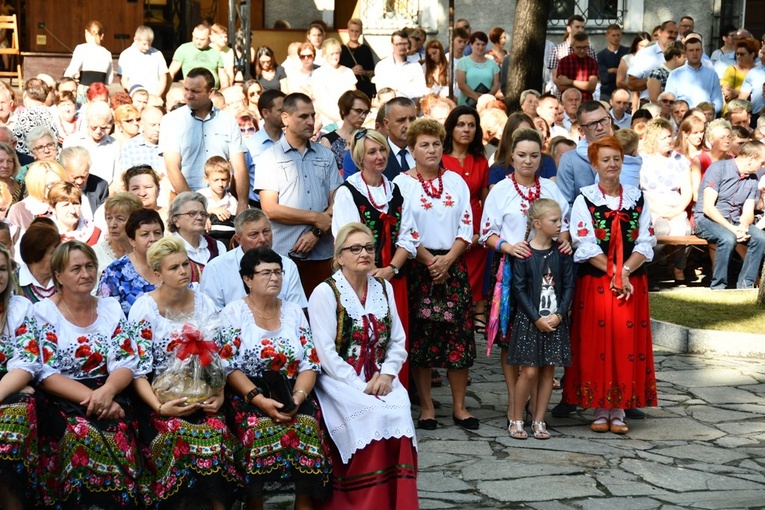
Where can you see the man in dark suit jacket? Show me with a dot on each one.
(400, 112)
(95, 190)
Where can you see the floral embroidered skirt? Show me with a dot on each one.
(276, 456)
(19, 459)
(85, 461)
(612, 354)
(440, 317)
(188, 459)
(382, 475)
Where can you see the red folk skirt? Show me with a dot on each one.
(612, 353)
(402, 307)
(382, 475)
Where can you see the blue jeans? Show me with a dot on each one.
(726, 244)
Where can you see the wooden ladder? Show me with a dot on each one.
(9, 23)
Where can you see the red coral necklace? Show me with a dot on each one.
(534, 192)
(621, 196)
(369, 193)
(428, 187)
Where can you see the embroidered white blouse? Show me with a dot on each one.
(505, 212)
(345, 211)
(583, 233)
(440, 221)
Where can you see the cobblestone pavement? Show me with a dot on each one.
(702, 447)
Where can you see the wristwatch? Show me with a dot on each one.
(395, 269)
(252, 394)
(627, 268)
(317, 232)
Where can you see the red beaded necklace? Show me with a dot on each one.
(534, 192)
(433, 192)
(369, 193)
(621, 196)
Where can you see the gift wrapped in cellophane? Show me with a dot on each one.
(195, 370)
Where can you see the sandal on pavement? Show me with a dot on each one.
(539, 428)
(600, 424)
(479, 323)
(618, 426)
(516, 430)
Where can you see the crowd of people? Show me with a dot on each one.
(348, 226)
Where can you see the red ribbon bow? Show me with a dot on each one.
(192, 343)
(366, 359)
(388, 221)
(616, 246)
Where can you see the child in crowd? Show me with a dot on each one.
(220, 203)
(543, 286)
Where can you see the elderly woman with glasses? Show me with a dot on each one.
(187, 218)
(275, 365)
(354, 107)
(43, 144)
(361, 346)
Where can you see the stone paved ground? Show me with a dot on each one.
(702, 447)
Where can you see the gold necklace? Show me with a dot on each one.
(72, 315)
(261, 315)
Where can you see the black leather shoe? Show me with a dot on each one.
(429, 424)
(634, 414)
(563, 410)
(471, 423)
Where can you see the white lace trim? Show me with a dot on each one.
(631, 196)
(376, 304)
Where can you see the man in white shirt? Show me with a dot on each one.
(571, 99)
(620, 101)
(650, 58)
(221, 280)
(547, 109)
(398, 72)
(140, 64)
(104, 149)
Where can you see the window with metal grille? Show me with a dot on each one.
(596, 12)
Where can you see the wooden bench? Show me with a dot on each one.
(681, 241)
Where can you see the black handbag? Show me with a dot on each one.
(279, 388)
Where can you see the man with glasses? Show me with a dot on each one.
(221, 280)
(144, 150)
(666, 102)
(398, 72)
(296, 191)
(674, 57)
(695, 82)
(574, 25)
(192, 134)
(270, 108)
(575, 170)
(578, 70)
(103, 148)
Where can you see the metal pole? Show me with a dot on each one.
(452, 76)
